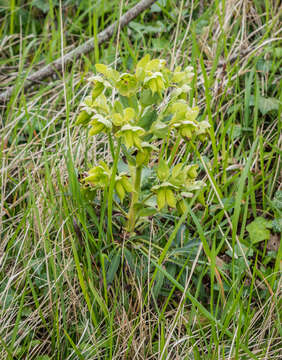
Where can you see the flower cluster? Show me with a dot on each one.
(100, 177)
(123, 105)
(175, 184)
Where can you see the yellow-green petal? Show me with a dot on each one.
(170, 198)
(161, 198)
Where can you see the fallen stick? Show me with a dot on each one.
(80, 50)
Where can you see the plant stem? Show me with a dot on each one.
(134, 199)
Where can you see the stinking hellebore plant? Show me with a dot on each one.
(124, 107)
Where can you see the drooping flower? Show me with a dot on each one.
(99, 176)
(123, 186)
(155, 81)
(126, 116)
(99, 105)
(99, 124)
(99, 84)
(165, 195)
(183, 77)
(131, 135)
(184, 118)
(127, 84)
(143, 155)
(83, 118)
(203, 130)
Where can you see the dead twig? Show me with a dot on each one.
(85, 48)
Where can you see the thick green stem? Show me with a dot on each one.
(134, 199)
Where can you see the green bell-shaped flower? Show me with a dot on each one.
(128, 115)
(165, 195)
(186, 128)
(123, 186)
(83, 118)
(127, 84)
(183, 77)
(99, 124)
(99, 176)
(143, 155)
(99, 105)
(131, 135)
(99, 84)
(203, 130)
(155, 81)
(191, 171)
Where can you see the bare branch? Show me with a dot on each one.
(80, 50)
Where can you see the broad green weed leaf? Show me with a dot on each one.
(258, 230)
(277, 225)
(265, 104)
(277, 201)
(268, 104)
(157, 6)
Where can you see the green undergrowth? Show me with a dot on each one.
(202, 285)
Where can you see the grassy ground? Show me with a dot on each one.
(65, 292)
